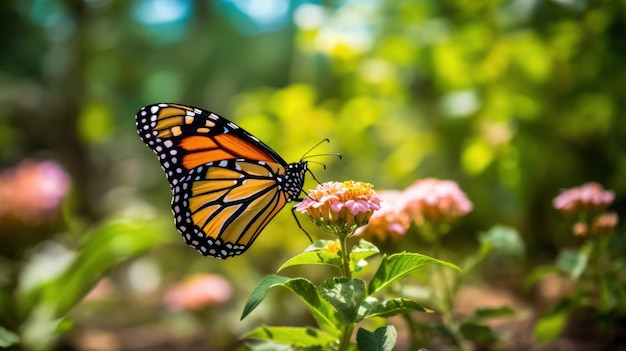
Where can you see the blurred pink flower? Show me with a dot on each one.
(340, 208)
(390, 222)
(604, 223)
(32, 190)
(197, 292)
(436, 201)
(587, 197)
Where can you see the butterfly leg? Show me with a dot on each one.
(293, 212)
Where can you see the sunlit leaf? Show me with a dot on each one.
(397, 266)
(292, 336)
(320, 308)
(360, 252)
(315, 254)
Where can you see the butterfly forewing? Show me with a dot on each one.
(227, 185)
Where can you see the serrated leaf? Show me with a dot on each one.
(398, 266)
(322, 310)
(382, 339)
(345, 295)
(296, 336)
(393, 307)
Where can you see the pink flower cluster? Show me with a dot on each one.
(588, 203)
(340, 207)
(587, 197)
(197, 292)
(32, 190)
(435, 200)
(425, 201)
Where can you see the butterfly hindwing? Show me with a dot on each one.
(223, 206)
(227, 185)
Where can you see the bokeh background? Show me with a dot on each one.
(512, 99)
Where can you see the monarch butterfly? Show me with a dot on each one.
(226, 184)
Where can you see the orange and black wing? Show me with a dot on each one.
(185, 137)
(223, 206)
(226, 184)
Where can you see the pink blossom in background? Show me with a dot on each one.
(587, 197)
(604, 223)
(436, 200)
(197, 292)
(391, 221)
(32, 189)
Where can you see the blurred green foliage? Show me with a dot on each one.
(512, 99)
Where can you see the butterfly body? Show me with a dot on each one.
(226, 184)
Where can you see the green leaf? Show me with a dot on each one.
(258, 294)
(573, 262)
(393, 307)
(481, 314)
(7, 338)
(537, 274)
(297, 336)
(344, 295)
(360, 252)
(550, 326)
(478, 333)
(504, 239)
(113, 242)
(322, 257)
(382, 339)
(398, 266)
(320, 308)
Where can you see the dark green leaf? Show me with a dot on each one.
(393, 307)
(398, 266)
(345, 295)
(382, 339)
(491, 312)
(478, 333)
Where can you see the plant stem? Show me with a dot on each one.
(345, 338)
(345, 255)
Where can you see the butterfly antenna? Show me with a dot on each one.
(293, 212)
(314, 146)
(307, 154)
